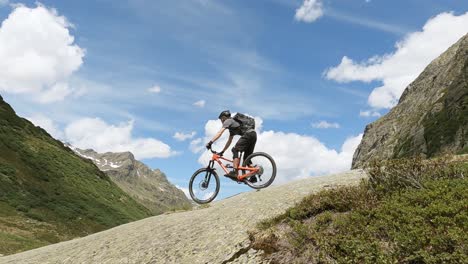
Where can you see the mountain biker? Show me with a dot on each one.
(245, 144)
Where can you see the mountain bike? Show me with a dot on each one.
(258, 171)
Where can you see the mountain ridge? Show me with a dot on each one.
(147, 186)
(50, 194)
(431, 117)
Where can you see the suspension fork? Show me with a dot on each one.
(208, 172)
(210, 165)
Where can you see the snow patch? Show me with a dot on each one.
(88, 157)
(113, 165)
(81, 154)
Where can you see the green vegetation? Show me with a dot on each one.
(463, 151)
(408, 211)
(405, 148)
(49, 194)
(443, 127)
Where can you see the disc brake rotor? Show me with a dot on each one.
(203, 185)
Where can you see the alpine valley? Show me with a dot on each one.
(49, 194)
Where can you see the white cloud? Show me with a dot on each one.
(310, 11)
(102, 137)
(200, 103)
(155, 89)
(47, 124)
(196, 145)
(367, 22)
(297, 156)
(57, 92)
(398, 69)
(325, 124)
(369, 113)
(185, 190)
(37, 54)
(98, 135)
(182, 137)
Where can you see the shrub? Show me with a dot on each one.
(393, 175)
(408, 211)
(7, 170)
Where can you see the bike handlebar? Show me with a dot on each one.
(214, 152)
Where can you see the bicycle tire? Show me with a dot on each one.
(273, 164)
(213, 196)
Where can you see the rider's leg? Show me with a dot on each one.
(245, 144)
(252, 136)
(236, 163)
(252, 140)
(235, 156)
(241, 146)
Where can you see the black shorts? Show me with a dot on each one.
(245, 144)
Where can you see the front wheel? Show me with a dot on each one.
(266, 173)
(204, 185)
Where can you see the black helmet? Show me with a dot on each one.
(225, 113)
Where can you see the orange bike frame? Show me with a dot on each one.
(251, 171)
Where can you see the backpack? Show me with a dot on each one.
(246, 122)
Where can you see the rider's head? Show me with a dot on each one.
(224, 115)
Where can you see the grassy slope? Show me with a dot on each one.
(411, 213)
(48, 194)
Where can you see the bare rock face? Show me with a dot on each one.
(148, 187)
(431, 117)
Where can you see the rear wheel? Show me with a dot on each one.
(204, 185)
(267, 170)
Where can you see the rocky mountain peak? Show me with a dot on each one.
(105, 161)
(149, 187)
(431, 117)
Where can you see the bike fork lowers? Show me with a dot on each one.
(208, 172)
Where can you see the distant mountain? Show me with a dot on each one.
(48, 193)
(431, 117)
(149, 187)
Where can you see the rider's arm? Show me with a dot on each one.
(228, 143)
(218, 135)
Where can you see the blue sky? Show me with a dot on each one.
(309, 70)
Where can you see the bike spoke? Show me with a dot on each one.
(204, 186)
(266, 169)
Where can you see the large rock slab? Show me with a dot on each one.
(216, 234)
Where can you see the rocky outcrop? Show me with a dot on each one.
(431, 117)
(149, 187)
(217, 233)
